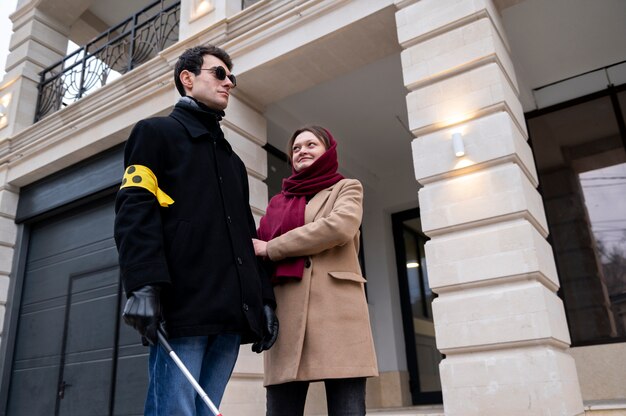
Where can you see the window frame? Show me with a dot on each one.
(612, 92)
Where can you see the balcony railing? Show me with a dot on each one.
(113, 53)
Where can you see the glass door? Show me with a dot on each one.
(416, 302)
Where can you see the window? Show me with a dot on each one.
(278, 168)
(581, 161)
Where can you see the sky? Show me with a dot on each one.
(8, 7)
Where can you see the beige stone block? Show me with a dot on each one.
(494, 138)
(499, 314)
(4, 289)
(24, 69)
(601, 371)
(21, 109)
(6, 259)
(26, 103)
(461, 98)
(8, 203)
(424, 17)
(514, 382)
(244, 396)
(512, 250)
(390, 389)
(37, 30)
(451, 50)
(252, 155)
(245, 120)
(3, 176)
(498, 191)
(8, 231)
(258, 193)
(33, 51)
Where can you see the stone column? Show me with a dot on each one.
(498, 319)
(8, 234)
(38, 41)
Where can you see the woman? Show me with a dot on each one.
(310, 234)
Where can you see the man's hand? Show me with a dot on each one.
(260, 247)
(270, 331)
(143, 312)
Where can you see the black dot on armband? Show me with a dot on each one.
(137, 179)
(124, 181)
(131, 170)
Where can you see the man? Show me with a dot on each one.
(184, 230)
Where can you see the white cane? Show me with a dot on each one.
(194, 383)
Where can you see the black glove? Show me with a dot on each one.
(270, 331)
(143, 312)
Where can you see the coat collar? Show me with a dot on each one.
(191, 121)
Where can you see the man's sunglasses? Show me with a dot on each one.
(220, 73)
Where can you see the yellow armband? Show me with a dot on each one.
(142, 177)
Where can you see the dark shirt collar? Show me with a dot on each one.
(200, 120)
(200, 109)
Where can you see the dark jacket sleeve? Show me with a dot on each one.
(264, 274)
(138, 229)
(266, 285)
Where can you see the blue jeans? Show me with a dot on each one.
(209, 359)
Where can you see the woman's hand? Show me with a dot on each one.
(260, 247)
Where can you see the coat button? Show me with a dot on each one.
(307, 263)
(245, 307)
(239, 261)
(229, 219)
(221, 180)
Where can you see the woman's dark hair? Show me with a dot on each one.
(192, 60)
(319, 132)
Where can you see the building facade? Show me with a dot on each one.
(489, 135)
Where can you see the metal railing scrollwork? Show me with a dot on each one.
(113, 53)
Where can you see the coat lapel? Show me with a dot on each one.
(316, 204)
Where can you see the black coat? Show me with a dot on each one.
(199, 248)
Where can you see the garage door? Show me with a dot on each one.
(72, 356)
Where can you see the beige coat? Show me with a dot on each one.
(324, 321)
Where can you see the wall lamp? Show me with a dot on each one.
(203, 7)
(457, 144)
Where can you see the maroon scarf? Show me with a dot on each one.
(286, 210)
